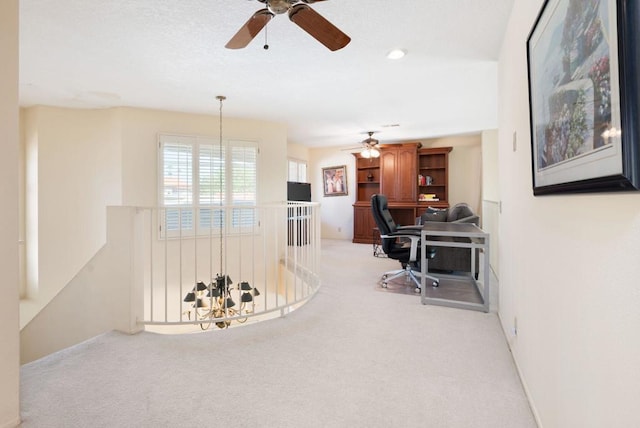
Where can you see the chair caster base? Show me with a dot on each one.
(384, 285)
(417, 290)
(435, 284)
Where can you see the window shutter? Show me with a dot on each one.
(211, 182)
(302, 172)
(196, 175)
(177, 185)
(293, 171)
(297, 171)
(244, 177)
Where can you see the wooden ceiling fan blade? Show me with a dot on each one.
(318, 27)
(250, 29)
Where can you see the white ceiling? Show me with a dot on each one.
(170, 55)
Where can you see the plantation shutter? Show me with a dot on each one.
(197, 175)
(177, 184)
(244, 178)
(212, 184)
(297, 171)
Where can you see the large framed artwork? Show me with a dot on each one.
(335, 180)
(583, 69)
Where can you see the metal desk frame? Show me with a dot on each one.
(477, 239)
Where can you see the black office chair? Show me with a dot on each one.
(399, 243)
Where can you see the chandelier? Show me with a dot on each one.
(213, 302)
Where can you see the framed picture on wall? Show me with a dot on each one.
(582, 58)
(335, 180)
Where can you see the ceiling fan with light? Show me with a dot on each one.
(370, 150)
(368, 147)
(301, 14)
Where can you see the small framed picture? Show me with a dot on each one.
(334, 179)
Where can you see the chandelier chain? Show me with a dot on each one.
(220, 98)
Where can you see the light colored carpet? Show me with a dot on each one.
(352, 357)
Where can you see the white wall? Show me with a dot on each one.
(336, 211)
(29, 214)
(77, 171)
(9, 316)
(298, 152)
(490, 166)
(22, 267)
(490, 220)
(568, 272)
(105, 295)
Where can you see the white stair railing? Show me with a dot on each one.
(221, 265)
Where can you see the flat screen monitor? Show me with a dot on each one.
(298, 191)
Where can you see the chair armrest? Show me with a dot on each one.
(403, 233)
(416, 227)
(414, 236)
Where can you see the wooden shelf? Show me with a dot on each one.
(367, 182)
(368, 175)
(395, 174)
(434, 163)
(362, 163)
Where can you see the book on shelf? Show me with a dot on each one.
(425, 180)
(428, 197)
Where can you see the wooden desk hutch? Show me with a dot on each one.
(396, 174)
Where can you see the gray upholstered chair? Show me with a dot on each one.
(451, 259)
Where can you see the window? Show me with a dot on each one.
(297, 171)
(197, 175)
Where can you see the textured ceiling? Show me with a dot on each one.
(170, 55)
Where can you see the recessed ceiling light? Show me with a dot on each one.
(396, 54)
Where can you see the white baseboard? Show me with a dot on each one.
(532, 406)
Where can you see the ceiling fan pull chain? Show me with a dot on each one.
(266, 44)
